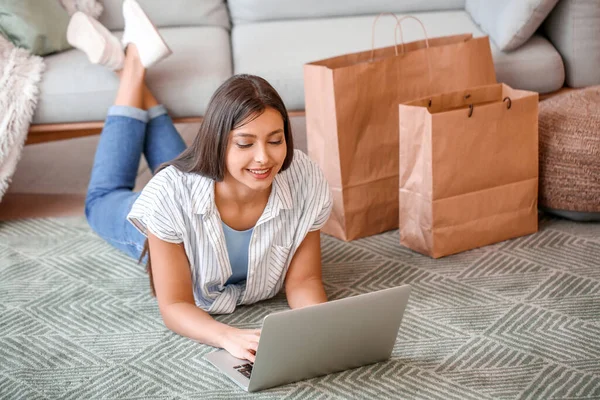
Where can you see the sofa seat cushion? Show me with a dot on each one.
(574, 28)
(293, 43)
(73, 90)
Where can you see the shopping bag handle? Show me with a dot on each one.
(399, 28)
(471, 107)
(373, 33)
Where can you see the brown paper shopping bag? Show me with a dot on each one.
(468, 169)
(352, 119)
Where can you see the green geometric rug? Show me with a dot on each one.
(515, 320)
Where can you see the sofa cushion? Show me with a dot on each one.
(574, 28)
(536, 66)
(291, 44)
(73, 90)
(249, 11)
(38, 26)
(509, 23)
(173, 13)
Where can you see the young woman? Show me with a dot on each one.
(230, 220)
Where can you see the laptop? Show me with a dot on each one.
(312, 341)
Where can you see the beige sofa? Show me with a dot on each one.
(213, 39)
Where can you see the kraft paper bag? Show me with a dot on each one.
(352, 120)
(468, 169)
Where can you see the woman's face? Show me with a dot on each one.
(256, 151)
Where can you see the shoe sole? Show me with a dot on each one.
(113, 56)
(143, 17)
(80, 23)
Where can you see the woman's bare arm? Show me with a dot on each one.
(174, 292)
(303, 282)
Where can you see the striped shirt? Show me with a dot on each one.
(179, 207)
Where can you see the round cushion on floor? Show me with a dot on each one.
(569, 128)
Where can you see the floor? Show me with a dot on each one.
(518, 319)
(32, 205)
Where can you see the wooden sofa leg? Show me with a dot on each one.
(52, 132)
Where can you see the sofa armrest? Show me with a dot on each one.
(573, 27)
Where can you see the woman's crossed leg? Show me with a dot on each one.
(135, 125)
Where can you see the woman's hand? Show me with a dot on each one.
(174, 291)
(241, 343)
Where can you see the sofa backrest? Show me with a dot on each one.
(165, 13)
(249, 11)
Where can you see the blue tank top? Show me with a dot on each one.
(238, 243)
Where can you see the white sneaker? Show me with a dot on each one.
(97, 42)
(140, 31)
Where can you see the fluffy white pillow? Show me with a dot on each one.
(510, 23)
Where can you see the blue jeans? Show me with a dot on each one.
(128, 132)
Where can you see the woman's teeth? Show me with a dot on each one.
(259, 171)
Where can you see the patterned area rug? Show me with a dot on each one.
(516, 320)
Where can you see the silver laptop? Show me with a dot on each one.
(318, 340)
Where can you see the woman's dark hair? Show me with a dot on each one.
(238, 101)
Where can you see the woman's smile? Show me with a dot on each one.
(260, 173)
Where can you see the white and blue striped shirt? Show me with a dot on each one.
(179, 207)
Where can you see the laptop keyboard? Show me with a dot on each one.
(245, 369)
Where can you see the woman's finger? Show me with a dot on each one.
(253, 346)
(250, 357)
